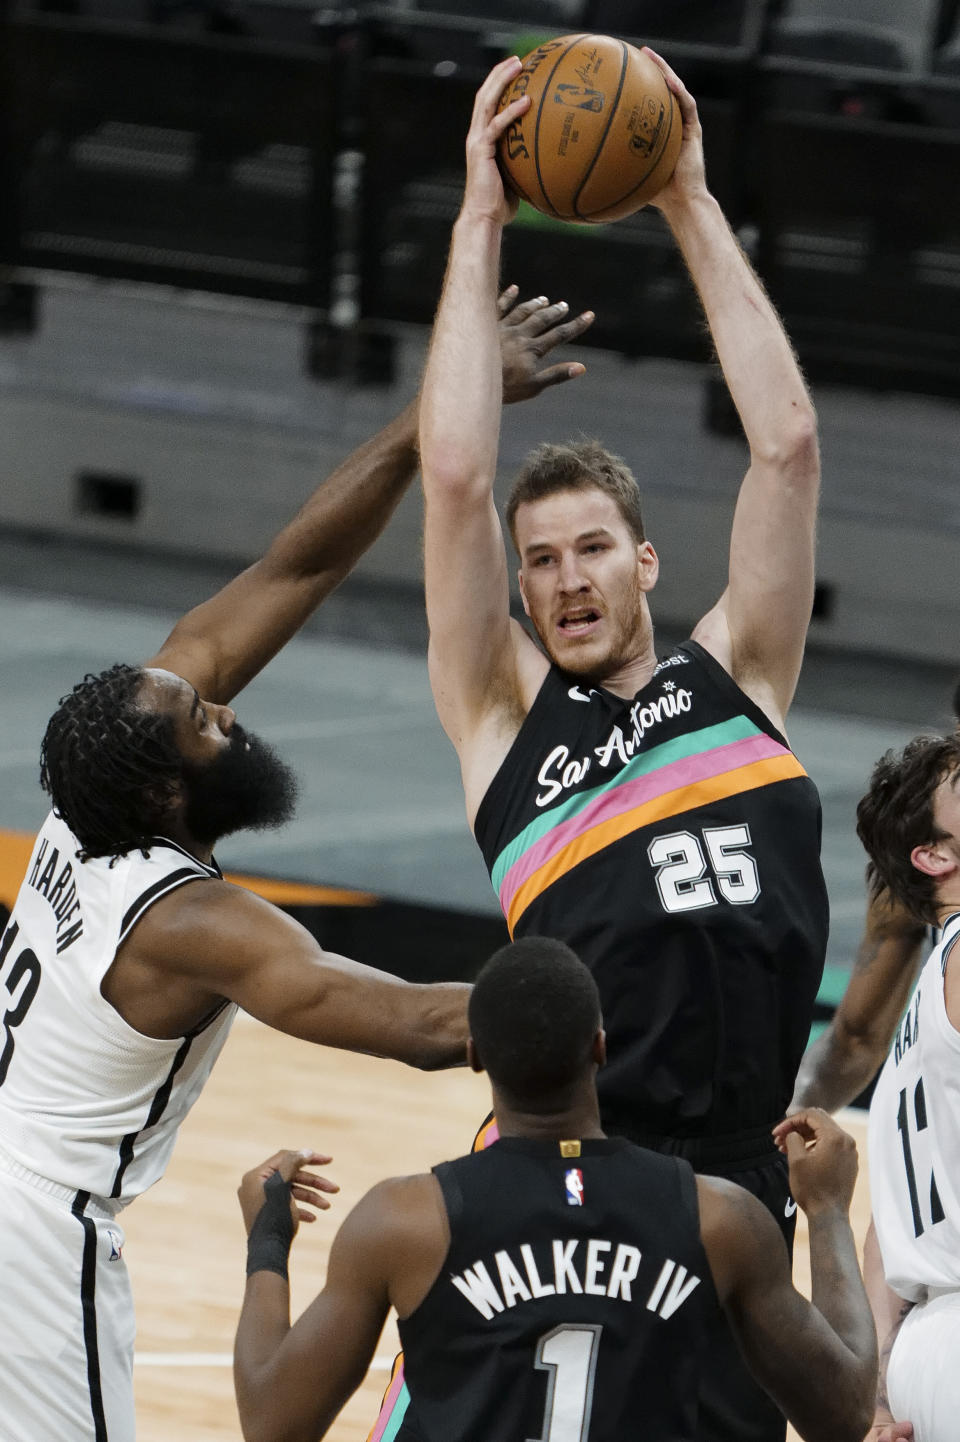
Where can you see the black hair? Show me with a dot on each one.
(110, 767)
(896, 815)
(534, 1012)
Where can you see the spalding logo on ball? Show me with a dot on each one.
(602, 134)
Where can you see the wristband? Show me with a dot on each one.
(268, 1245)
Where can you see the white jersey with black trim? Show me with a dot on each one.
(85, 1100)
(914, 1139)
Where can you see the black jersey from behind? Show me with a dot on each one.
(571, 1304)
(673, 841)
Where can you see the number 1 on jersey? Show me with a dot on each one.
(569, 1355)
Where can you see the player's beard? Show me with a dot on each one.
(247, 788)
(628, 630)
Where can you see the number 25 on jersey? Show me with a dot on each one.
(690, 873)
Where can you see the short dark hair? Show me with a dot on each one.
(110, 767)
(896, 815)
(576, 466)
(533, 1014)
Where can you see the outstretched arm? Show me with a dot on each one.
(817, 1360)
(221, 645)
(847, 1056)
(212, 940)
(758, 628)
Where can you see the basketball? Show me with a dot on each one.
(602, 134)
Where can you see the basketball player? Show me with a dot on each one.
(909, 822)
(127, 954)
(647, 811)
(557, 1284)
(846, 1058)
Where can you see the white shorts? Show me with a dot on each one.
(923, 1379)
(66, 1315)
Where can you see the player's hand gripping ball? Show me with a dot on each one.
(602, 134)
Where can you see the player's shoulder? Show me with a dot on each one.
(398, 1208)
(208, 915)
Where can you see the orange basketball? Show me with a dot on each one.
(602, 134)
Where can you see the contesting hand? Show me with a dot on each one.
(689, 178)
(485, 196)
(528, 330)
(822, 1158)
(305, 1186)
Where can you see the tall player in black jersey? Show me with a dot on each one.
(559, 1284)
(646, 810)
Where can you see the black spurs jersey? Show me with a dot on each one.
(571, 1304)
(673, 841)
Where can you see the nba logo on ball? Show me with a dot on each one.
(574, 1184)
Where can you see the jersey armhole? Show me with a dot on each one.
(721, 677)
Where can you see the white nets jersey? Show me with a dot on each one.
(85, 1100)
(914, 1139)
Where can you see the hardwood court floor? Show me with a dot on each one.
(185, 1243)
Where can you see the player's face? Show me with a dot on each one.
(233, 780)
(584, 578)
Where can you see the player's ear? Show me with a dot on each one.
(648, 564)
(934, 859)
(523, 594)
(600, 1048)
(473, 1056)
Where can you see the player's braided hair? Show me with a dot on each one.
(533, 1014)
(896, 816)
(109, 766)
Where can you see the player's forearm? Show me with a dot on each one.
(461, 396)
(755, 354)
(838, 1293)
(435, 1026)
(264, 1324)
(835, 1070)
(349, 511)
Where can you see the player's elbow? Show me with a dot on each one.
(792, 447)
(852, 1420)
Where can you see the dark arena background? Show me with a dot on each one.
(223, 228)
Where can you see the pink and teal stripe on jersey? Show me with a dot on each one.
(680, 775)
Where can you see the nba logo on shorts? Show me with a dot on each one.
(574, 1184)
(116, 1245)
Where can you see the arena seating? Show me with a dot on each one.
(196, 142)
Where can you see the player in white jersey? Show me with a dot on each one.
(847, 1056)
(127, 954)
(909, 822)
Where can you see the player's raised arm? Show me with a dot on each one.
(221, 645)
(474, 648)
(817, 1360)
(848, 1055)
(758, 629)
